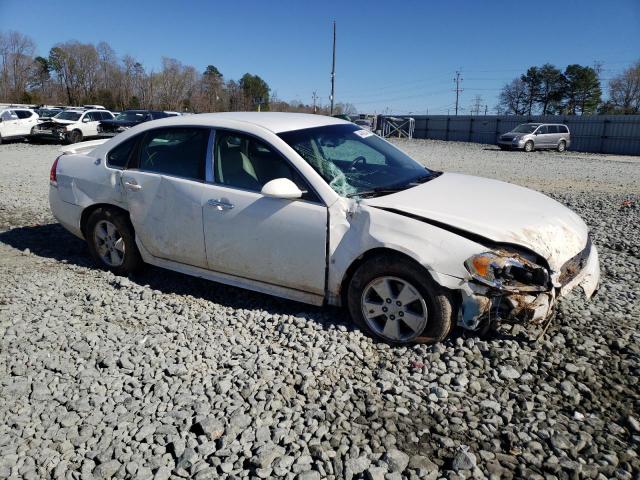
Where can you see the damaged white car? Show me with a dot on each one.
(315, 209)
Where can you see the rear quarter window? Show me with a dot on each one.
(563, 129)
(119, 156)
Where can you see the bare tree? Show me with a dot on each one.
(624, 91)
(513, 98)
(16, 57)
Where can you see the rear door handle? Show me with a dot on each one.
(220, 204)
(132, 185)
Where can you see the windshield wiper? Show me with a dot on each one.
(394, 188)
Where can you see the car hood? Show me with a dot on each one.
(63, 122)
(497, 211)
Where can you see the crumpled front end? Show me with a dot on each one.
(484, 305)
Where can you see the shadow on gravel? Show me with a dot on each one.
(53, 241)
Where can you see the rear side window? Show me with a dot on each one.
(553, 129)
(563, 129)
(23, 113)
(119, 156)
(179, 152)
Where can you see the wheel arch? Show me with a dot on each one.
(365, 257)
(86, 213)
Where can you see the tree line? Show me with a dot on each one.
(577, 90)
(76, 73)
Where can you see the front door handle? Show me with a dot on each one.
(220, 204)
(132, 185)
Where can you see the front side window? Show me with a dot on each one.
(355, 162)
(542, 130)
(179, 152)
(243, 162)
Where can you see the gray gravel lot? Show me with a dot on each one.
(164, 375)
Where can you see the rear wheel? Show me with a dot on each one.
(394, 299)
(562, 146)
(528, 146)
(75, 136)
(111, 241)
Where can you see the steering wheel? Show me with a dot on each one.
(356, 161)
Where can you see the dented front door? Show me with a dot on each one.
(166, 213)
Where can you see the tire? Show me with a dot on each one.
(112, 243)
(433, 302)
(502, 147)
(528, 146)
(562, 146)
(75, 136)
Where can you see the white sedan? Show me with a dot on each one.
(315, 209)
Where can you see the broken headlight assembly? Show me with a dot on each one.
(507, 271)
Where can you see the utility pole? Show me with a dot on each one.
(333, 68)
(458, 90)
(315, 97)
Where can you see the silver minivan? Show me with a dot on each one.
(531, 136)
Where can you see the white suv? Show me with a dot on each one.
(16, 123)
(71, 126)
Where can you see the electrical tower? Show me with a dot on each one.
(333, 67)
(458, 90)
(315, 98)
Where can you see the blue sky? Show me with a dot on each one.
(396, 55)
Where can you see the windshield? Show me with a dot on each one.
(68, 116)
(355, 162)
(132, 116)
(525, 128)
(48, 113)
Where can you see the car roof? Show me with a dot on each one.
(276, 122)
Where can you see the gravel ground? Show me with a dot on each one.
(164, 375)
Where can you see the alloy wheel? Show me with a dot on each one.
(394, 309)
(109, 243)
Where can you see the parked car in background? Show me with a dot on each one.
(171, 113)
(363, 123)
(316, 209)
(532, 136)
(71, 126)
(126, 120)
(16, 123)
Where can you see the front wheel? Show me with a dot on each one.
(395, 300)
(528, 146)
(562, 146)
(111, 241)
(75, 136)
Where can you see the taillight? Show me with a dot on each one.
(53, 174)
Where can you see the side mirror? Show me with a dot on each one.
(86, 120)
(281, 188)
